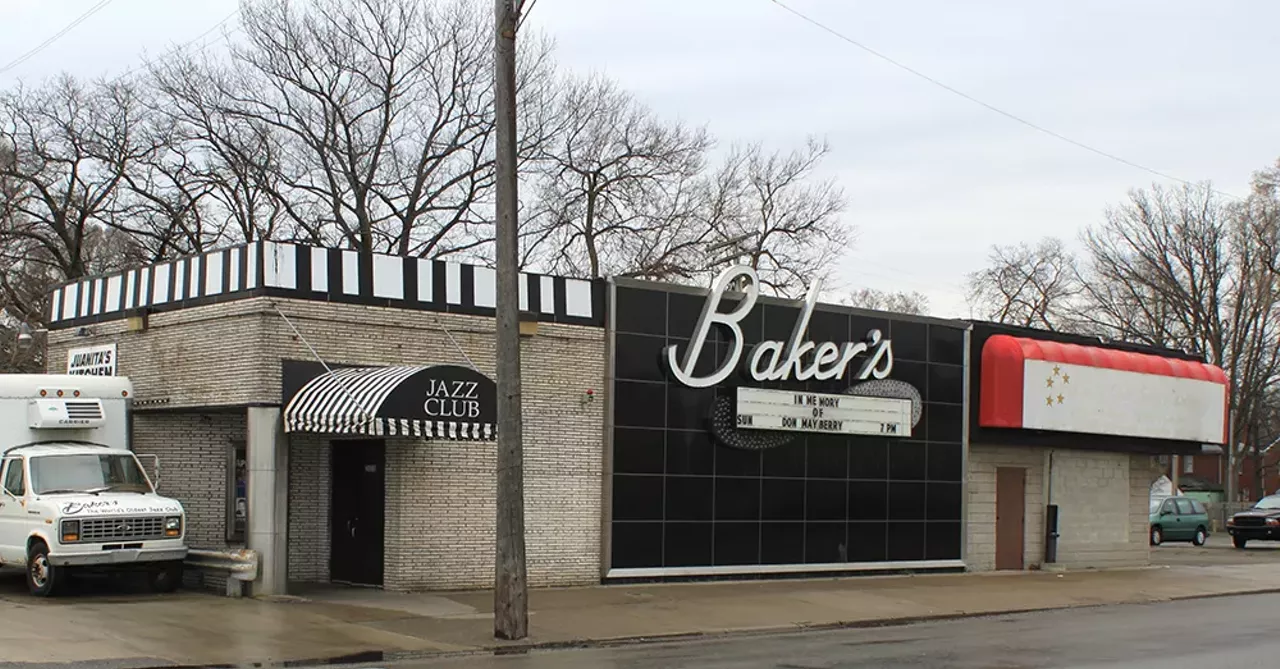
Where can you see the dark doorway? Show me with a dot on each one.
(1011, 506)
(356, 508)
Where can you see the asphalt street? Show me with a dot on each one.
(1218, 550)
(1223, 633)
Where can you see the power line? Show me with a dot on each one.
(184, 45)
(991, 107)
(56, 36)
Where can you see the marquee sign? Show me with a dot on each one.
(762, 418)
(774, 360)
(761, 409)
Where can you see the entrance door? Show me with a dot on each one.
(356, 509)
(1011, 506)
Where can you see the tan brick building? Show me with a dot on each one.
(335, 412)
(213, 353)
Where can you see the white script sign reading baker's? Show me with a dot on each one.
(772, 360)
(92, 360)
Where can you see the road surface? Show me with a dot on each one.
(1217, 551)
(1221, 633)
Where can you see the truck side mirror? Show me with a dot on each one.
(154, 474)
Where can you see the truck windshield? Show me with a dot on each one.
(1272, 502)
(88, 472)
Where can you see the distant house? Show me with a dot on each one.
(1207, 471)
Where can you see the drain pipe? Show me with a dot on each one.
(1050, 519)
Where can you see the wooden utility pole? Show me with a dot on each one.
(510, 591)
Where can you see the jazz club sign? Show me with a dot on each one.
(862, 410)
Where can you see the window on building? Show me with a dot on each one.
(1188, 464)
(14, 481)
(237, 493)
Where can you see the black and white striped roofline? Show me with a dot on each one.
(347, 401)
(313, 273)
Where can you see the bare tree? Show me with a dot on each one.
(375, 117)
(617, 187)
(1182, 269)
(241, 162)
(1029, 286)
(897, 302)
(1175, 268)
(72, 145)
(799, 235)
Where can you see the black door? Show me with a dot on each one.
(355, 545)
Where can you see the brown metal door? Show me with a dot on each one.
(1011, 508)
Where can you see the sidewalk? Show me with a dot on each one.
(192, 629)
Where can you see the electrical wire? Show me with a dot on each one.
(991, 107)
(184, 45)
(56, 36)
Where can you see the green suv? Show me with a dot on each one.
(1179, 519)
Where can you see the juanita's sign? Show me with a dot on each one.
(773, 360)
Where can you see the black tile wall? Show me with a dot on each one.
(680, 499)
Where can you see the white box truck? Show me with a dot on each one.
(73, 496)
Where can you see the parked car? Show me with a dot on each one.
(1261, 523)
(1179, 519)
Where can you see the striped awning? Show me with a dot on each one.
(396, 401)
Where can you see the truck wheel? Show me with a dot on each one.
(165, 577)
(1200, 537)
(43, 579)
(1239, 541)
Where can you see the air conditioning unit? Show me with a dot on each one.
(78, 414)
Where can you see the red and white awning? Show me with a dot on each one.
(1044, 385)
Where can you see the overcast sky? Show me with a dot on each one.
(1186, 88)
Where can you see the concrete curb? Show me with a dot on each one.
(382, 658)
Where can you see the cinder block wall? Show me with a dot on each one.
(440, 498)
(980, 554)
(1102, 500)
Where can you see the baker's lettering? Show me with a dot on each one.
(773, 360)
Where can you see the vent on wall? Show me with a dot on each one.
(65, 414)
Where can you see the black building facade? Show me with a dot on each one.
(696, 488)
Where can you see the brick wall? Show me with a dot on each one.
(440, 499)
(193, 453)
(206, 356)
(980, 552)
(441, 507)
(308, 508)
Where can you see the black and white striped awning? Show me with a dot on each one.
(439, 402)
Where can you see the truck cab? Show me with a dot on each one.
(73, 495)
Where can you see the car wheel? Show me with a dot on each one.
(1200, 537)
(43, 579)
(1239, 542)
(1156, 536)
